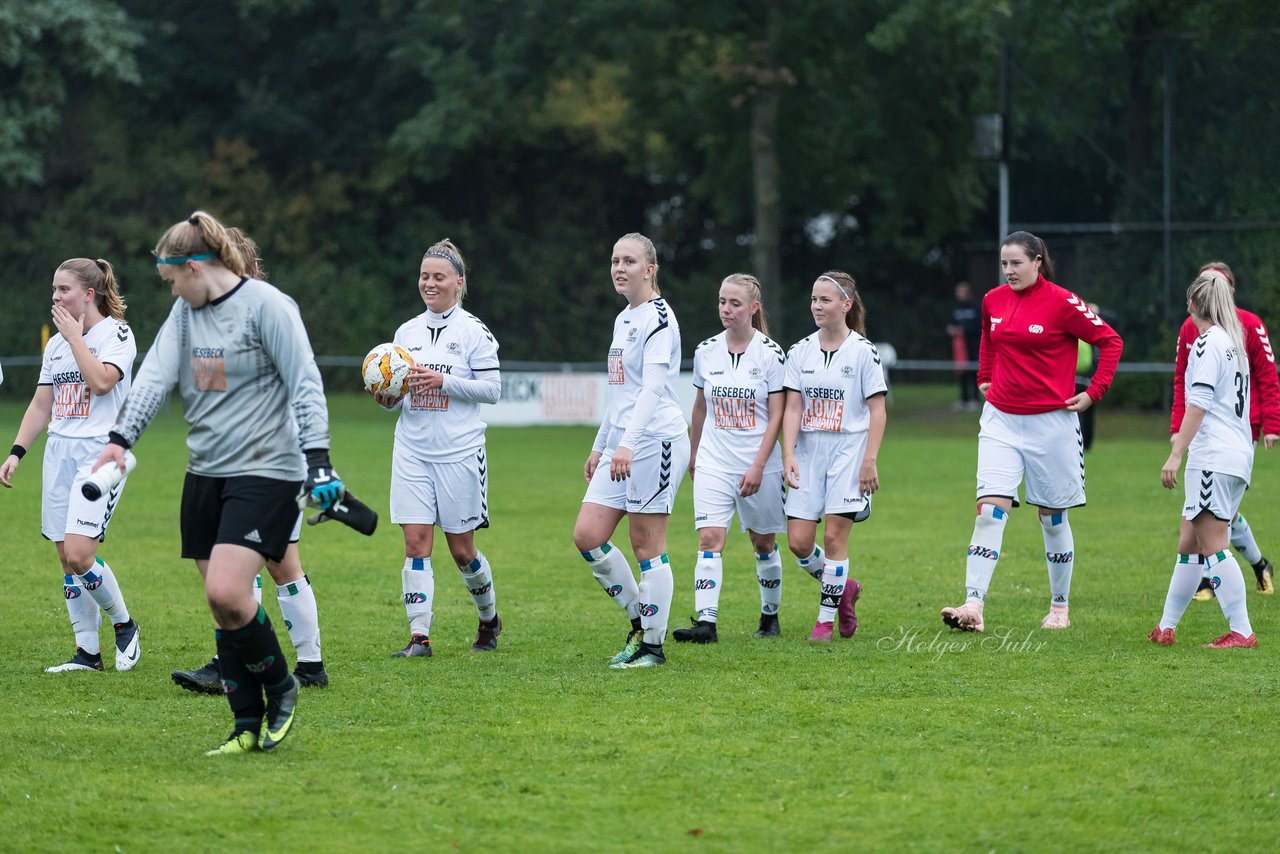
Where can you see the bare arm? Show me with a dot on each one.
(699, 418)
(35, 419)
(790, 433)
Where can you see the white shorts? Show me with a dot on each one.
(715, 498)
(829, 465)
(64, 510)
(454, 496)
(1046, 448)
(1218, 493)
(657, 467)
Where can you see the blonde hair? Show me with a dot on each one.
(856, 317)
(100, 276)
(446, 250)
(249, 251)
(751, 285)
(1210, 298)
(648, 252)
(1221, 267)
(201, 234)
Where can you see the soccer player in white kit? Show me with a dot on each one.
(639, 456)
(734, 458)
(439, 471)
(1216, 436)
(831, 432)
(294, 595)
(84, 378)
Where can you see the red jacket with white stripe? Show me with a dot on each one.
(1029, 347)
(1264, 383)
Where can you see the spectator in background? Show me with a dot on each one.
(965, 330)
(1086, 364)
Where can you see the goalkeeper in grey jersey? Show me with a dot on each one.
(238, 353)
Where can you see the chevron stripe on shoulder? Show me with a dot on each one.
(706, 343)
(773, 346)
(1082, 307)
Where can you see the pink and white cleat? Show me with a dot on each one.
(1164, 637)
(821, 633)
(1056, 618)
(966, 617)
(1234, 640)
(847, 617)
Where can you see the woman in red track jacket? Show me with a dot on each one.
(1031, 329)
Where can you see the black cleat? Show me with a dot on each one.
(768, 626)
(419, 646)
(1264, 570)
(280, 715)
(487, 635)
(80, 661)
(702, 631)
(202, 680)
(310, 674)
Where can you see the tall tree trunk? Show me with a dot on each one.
(766, 257)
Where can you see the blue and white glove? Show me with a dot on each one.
(324, 488)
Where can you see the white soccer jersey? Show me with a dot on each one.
(443, 425)
(1216, 382)
(736, 388)
(645, 338)
(78, 412)
(835, 385)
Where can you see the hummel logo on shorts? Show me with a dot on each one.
(253, 537)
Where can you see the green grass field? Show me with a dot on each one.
(907, 737)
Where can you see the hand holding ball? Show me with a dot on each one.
(386, 370)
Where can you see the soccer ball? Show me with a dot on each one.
(386, 370)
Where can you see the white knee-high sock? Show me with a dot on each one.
(812, 564)
(1187, 570)
(419, 581)
(101, 583)
(478, 576)
(835, 573)
(611, 569)
(298, 607)
(657, 586)
(257, 588)
(84, 613)
(1242, 540)
(1228, 583)
(984, 552)
(769, 574)
(708, 575)
(1059, 553)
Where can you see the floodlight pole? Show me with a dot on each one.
(1005, 124)
(1167, 207)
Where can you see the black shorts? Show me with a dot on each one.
(255, 512)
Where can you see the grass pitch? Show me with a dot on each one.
(908, 737)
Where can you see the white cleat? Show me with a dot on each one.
(127, 648)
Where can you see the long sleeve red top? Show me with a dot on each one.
(1264, 383)
(1029, 347)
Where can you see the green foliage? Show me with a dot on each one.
(348, 136)
(905, 738)
(46, 48)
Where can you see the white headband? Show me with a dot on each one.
(842, 291)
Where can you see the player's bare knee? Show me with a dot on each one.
(763, 543)
(711, 539)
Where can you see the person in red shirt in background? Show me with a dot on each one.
(1031, 329)
(1264, 415)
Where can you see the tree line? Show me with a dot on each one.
(757, 135)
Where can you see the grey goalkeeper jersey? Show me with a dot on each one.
(251, 391)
